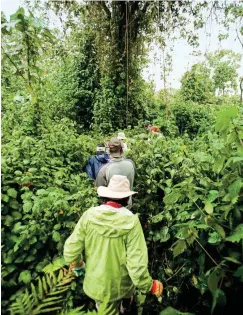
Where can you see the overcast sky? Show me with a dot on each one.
(182, 55)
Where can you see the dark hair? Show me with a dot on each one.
(123, 201)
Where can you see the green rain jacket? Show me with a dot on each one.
(115, 253)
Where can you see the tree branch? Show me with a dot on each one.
(134, 7)
(145, 7)
(107, 11)
(140, 15)
(238, 36)
(13, 63)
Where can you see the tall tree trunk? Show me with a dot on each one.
(125, 20)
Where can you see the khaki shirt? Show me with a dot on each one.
(117, 166)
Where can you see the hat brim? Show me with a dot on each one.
(121, 138)
(106, 192)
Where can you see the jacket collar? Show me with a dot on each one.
(113, 204)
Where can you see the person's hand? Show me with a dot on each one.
(78, 270)
(157, 288)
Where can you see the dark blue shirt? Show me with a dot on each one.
(95, 163)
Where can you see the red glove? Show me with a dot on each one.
(157, 288)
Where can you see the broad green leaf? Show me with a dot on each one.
(214, 238)
(179, 247)
(237, 236)
(214, 278)
(32, 170)
(8, 220)
(196, 214)
(25, 277)
(27, 206)
(5, 198)
(20, 259)
(219, 230)
(11, 268)
(218, 164)
(13, 204)
(12, 192)
(232, 259)
(208, 207)
(171, 311)
(235, 187)
(218, 299)
(164, 235)
(55, 265)
(56, 236)
(213, 194)
(57, 226)
(157, 218)
(193, 233)
(172, 198)
(26, 161)
(239, 273)
(16, 215)
(18, 173)
(225, 118)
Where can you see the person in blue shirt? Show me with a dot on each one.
(96, 161)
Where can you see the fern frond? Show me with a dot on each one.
(46, 296)
(60, 275)
(54, 279)
(40, 289)
(34, 293)
(45, 289)
(57, 308)
(49, 282)
(53, 298)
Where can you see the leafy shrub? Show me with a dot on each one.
(190, 204)
(193, 118)
(43, 194)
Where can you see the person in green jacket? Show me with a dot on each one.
(111, 239)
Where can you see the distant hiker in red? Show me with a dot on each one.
(154, 129)
(151, 128)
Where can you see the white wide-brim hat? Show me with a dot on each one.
(118, 188)
(121, 135)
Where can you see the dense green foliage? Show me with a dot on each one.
(65, 92)
(190, 194)
(197, 85)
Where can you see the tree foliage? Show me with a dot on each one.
(196, 84)
(224, 64)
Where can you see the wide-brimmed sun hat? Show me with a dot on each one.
(118, 188)
(121, 135)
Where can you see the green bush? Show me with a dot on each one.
(192, 118)
(190, 203)
(44, 192)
